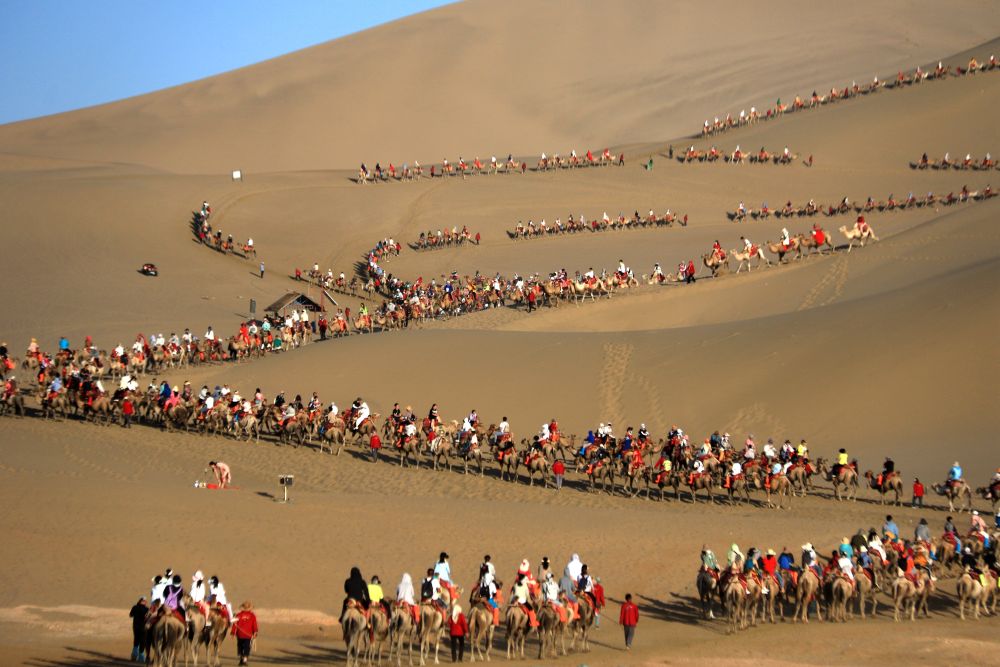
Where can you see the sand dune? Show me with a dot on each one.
(654, 71)
(887, 350)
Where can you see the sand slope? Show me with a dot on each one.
(451, 82)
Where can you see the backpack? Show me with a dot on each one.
(426, 589)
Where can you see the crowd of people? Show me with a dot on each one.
(477, 166)
(575, 598)
(740, 156)
(604, 223)
(202, 227)
(445, 238)
(968, 162)
(870, 562)
(847, 205)
(816, 100)
(198, 608)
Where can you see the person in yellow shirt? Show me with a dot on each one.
(377, 596)
(803, 450)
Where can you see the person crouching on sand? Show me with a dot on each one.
(222, 474)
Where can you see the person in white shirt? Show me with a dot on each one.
(210, 335)
(218, 591)
(404, 591)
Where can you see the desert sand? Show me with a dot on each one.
(887, 351)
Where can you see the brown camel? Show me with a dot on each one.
(846, 478)
(780, 250)
(441, 451)
(580, 627)
(808, 241)
(603, 471)
(168, 636)
(378, 633)
(959, 491)
(550, 628)
(402, 628)
(431, 626)
(904, 596)
(706, 584)
(866, 593)
(781, 487)
(700, 481)
(970, 591)
(744, 258)
(715, 264)
(516, 624)
(893, 483)
(354, 625)
(734, 600)
(805, 593)
(841, 592)
(537, 464)
(481, 630)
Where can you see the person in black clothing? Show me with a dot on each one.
(355, 589)
(138, 616)
(970, 560)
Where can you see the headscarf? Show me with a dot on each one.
(455, 613)
(573, 567)
(404, 591)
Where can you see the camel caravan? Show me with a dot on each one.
(858, 573)
(988, 163)
(605, 223)
(870, 205)
(478, 167)
(549, 608)
(740, 156)
(446, 238)
(855, 90)
(201, 227)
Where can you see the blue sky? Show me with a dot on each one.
(61, 55)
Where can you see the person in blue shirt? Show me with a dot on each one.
(955, 474)
(786, 560)
(63, 344)
(846, 549)
(890, 527)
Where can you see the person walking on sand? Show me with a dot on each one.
(245, 630)
(222, 474)
(458, 627)
(138, 616)
(262, 270)
(628, 619)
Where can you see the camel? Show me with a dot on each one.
(805, 594)
(215, 636)
(892, 483)
(846, 477)
(904, 596)
(739, 489)
(471, 452)
(410, 446)
(168, 633)
(707, 584)
(248, 426)
(954, 492)
(334, 434)
(355, 626)
(702, 481)
(781, 487)
(775, 597)
(866, 593)
(854, 233)
(970, 591)
(734, 599)
(14, 404)
(753, 601)
(990, 493)
(195, 635)
(364, 323)
(508, 461)
(431, 625)
(537, 464)
(378, 633)
(841, 592)
(550, 628)
(714, 263)
(780, 250)
(605, 472)
(480, 631)
(744, 258)
(295, 431)
(581, 626)
(516, 624)
(401, 628)
(808, 242)
(177, 417)
(441, 451)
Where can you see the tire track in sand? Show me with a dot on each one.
(835, 275)
(612, 380)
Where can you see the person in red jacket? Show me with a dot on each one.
(245, 629)
(599, 601)
(458, 627)
(558, 469)
(375, 444)
(918, 493)
(127, 411)
(628, 619)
